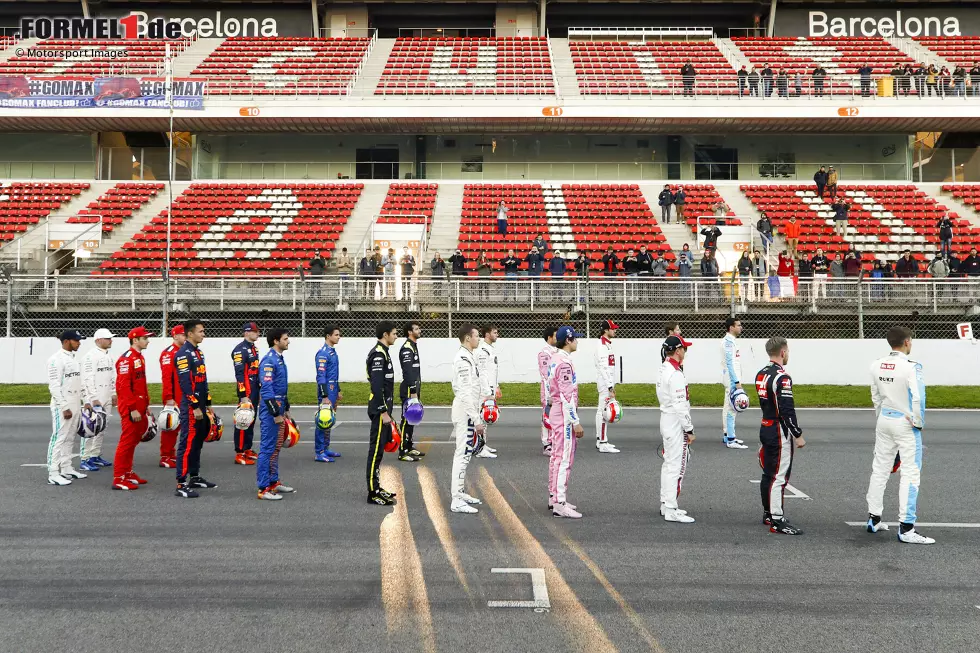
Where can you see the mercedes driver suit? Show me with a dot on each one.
(65, 386)
(411, 386)
(381, 376)
(467, 390)
(486, 363)
(544, 365)
(777, 433)
(98, 385)
(192, 374)
(563, 395)
(731, 375)
(675, 428)
(171, 392)
(899, 397)
(273, 402)
(245, 357)
(130, 372)
(327, 387)
(605, 380)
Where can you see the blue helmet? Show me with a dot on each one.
(414, 411)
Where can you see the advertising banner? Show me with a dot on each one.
(54, 92)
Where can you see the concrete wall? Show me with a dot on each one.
(834, 362)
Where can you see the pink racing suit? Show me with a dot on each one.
(544, 362)
(563, 394)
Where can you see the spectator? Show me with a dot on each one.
(854, 252)
(786, 266)
(438, 267)
(345, 266)
(820, 179)
(840, 217)
(688, 75)
(408, 271)
(782, 83)
(975, 79)
(784, 277)
(511, 265)
(753, 80)
(376, 288)
(767, 81)
(932, 77)
(610, 263)
(905, 81)
(938, 268)
(945, 226)
(954, 266)
(819, 74)
(388, 261)
(709, 271)
(877, 288)
(680, 197)
(541, 244)
(458, 261)
(644, 260)
(502, 218)
(743, 77)
(837, 273)
(665, 199)
(897, 74)
(945, 81)
(557, 265)
(658, 266)
(764, 227)
(852, 265)
(791, 231)
(820, 265)
(760, 270)
(365, 270)
(317, 265)
(959, 82)
(906, 267)
(582, 265)
(798, 83)
(535, 262)
(919, 75)
(721, 209)
(711, 237)
(805, 275)
(970, 266)
(865, 73)
(630, 265)
(685, 261)
(832, 183)
(744, 267)
(483, 269)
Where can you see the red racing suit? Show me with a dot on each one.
(171, 392)
(132, 396)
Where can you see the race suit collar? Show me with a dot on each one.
(604, 340)
(677, 366)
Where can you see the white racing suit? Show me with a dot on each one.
(65, 386)
(605, 381)
(544, 363)
(675, 425)
(465, 416)
(563, 394)
(899, 397)
(731, 375)
(98, 384)
(485, 356)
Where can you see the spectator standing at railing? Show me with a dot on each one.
(365, 271)
(919, 75)
(832, 183)
(945, 226)
(388, 262)
(805, 275)
(502, 218)
(932, 77)
(819, 74)
(658, 266)
(905, 80)
(709, 271)
(959, 81)
(743, 77)
(680, 198)
(582, 264)
(798, 83)
(511, 265)
(877, 292)
(821, 269)
(840, 217)
(837, 274)
(665, 199)
(970, 266)
(766, 81)
(711, 235)
(645, 260)
(782, 83)
(753, 79)
(458, 263)
(437, 269)
(852, 264)
(764, 227)
(541, 244)
(898, 75)
(688, 75)
(407, 263)
(938, 268)
(685, 261)
(760, 270)
(791, 231)
(317, 266)
(483, 270)
(610, 263)
(906, 267)
(745, 287)
(345, 265)
(820, 180)
(865, 73)
(557, 266)
(945, 82)
(535, 262)
(631, 267)
(377, 271)
(975, 79)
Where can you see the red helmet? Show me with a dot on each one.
(490, 413)
(391, 446)
(292, 434)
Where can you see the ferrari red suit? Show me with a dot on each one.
(171, 392)
(132, 395)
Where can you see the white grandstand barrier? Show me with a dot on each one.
(30, 170)
(350, 33)
(640, 33)
(451, 32)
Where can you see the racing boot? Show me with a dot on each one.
(168, 463)
(101, 462)
(124, 483)
(767, 519)
(322, 458)
(677, 516)
(486, 453)
(201, 482)
(473, 501)
(875, 524)
(243, 459)
(385, 493)
(331, 453)
(251, 455)
(458, 505)
(664, 509)
(58, 479)
(565, 510)
(269, 494)
(89, 465)
(185, 491)
(415, 453)
(73, 473)
(546, 450)
(282, 489)
(606, 447)
(780, 525)
(406, 458)
(912, 537)
(136, 479)
(378, 500)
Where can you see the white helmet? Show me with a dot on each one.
(612, 412)
(244, 415)
(739, 400)
(169, 419)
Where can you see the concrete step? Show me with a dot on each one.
(964, 210)
(731, 52)
(370, 72)
(563, 69)
(192, 57)
(446, 218)
(356, 234)
(918, 52)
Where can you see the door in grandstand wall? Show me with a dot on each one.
(377, 163)
(715, 163)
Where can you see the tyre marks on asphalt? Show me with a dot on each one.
(634, 618)
(403, 590)
(585, 633)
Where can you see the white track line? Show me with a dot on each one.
(924, 524)
(795, 492)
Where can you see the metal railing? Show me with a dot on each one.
(640, 33)
(816, 307)
(48, 169)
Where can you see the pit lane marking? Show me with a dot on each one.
(539, 589)
(924, 524)
(795, 492)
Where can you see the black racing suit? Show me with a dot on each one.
(381, 376)
(411, 386)
(775, 389)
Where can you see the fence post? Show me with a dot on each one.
(531, 298)
(935, 297)
(56, 292)
(221, 294)
(731, 292)
(694, 285)
(860, 309)
(588, 307)
(132, 294)
(10, 308)
(302, 323)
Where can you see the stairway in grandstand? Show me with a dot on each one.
(373, 68)
(357, 232)
(564, 69)
(194, 55)
(446, 219)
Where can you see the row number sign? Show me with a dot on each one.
(249, 112)
(552, 112)
(848, 112)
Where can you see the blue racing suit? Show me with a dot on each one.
(273, 401)
(327, 387)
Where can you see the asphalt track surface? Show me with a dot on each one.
(83, 568)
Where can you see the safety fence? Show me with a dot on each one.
(815, 308)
